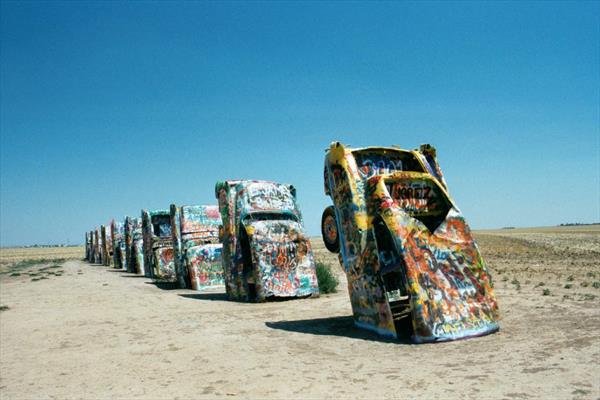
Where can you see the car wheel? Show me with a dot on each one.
(329, 230)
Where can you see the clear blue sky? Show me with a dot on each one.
(108, 107)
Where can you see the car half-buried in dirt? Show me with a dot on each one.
(106, 248)
(158, 245)
(134, 246)
(118, 244)
(412, 264)
(196, 245)
(266, 253)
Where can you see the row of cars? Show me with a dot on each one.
(412, 264)
(253, 243)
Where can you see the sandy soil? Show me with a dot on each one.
(91, 332)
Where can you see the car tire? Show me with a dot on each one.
(329, 230)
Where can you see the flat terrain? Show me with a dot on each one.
(87, 331)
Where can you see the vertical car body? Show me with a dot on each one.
(97, 247)
(195, 234)
(88, 246)
(118, 244)
(158, 245)
(410, 258)
(106, 248)
(265, 250)
(134, 246)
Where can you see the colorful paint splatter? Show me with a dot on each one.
(411, 261)
(134, 244)
(118, 244)
(159, 257)
(196, 245)
(265, 250)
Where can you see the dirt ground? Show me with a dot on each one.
(91, 332)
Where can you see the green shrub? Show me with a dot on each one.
(546, 292)
(596, 285)
(327, 281)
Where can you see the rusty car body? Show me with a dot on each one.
(412, 264)
(195, 232)
(159, 260)
(266, 253)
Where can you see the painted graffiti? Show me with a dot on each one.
(159, 260)
(196, 245)
(265, 251)
(406, 248)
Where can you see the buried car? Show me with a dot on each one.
(266, 253)
(88, 246)
(106, 240)
(195, 232)
(134, 246)
(158, 245)
(117, 230)
(96, 247)
(412, 264)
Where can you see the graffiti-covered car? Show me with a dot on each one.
(158, 245)
(266, 252)
(106, 248)
(96, 247)
(88, 246)
(412, 264)
(118, 244)
(134, 246)
(195, 232)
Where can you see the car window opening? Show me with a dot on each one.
(270, 216)
(161, 226)
(421, 199)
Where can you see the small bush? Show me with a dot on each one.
(568, 286)
(570, 278)
(546, 292)
(584, 284)
(596, 285)
(540, 284)
(327, 281)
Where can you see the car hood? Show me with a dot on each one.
(451, 290)
(283, 258)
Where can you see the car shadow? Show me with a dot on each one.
(132, 275)
(333, 326)
(206, 296)
(164, 285)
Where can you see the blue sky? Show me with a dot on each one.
(110, 107)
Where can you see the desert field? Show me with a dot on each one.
(69, 329)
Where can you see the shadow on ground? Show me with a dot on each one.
(206, 296)
(164, 285)
(332, 326)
